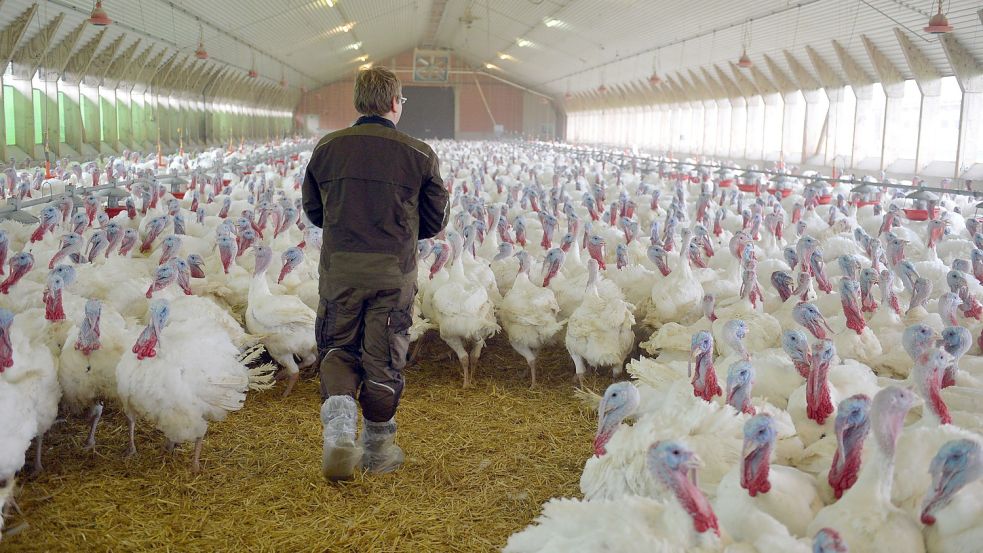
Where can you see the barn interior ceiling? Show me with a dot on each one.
(553, 46)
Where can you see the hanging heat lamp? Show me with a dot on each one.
(602, 89)
(654, 78)
(99, 17)
(201, 53)
(745, 61)
(252, 70)
(939, 23)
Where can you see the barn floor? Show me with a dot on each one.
(480, 464)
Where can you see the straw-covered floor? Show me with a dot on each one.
(480, 464)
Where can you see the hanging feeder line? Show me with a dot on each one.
(853, 180)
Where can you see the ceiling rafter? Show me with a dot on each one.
(28, 57)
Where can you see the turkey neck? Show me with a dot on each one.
(876, 475)
(259, 283)
(683, 263)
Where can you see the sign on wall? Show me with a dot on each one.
(431, 66)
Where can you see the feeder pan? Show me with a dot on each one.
(938, 24)
(785, 192)
(914, 214)
(865, 191)
(99, 17)
(201, 53)
(820, 185)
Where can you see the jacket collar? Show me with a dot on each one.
(374, 120)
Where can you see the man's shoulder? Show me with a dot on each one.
(379, 131)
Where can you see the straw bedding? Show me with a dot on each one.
(480, 463)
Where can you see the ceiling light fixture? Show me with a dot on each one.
(347, 27)
(553, 23)
(362, 58)
(201, 53)
(654, 78)
(328, 3)
(365, 66)
(506, 57)
(523, 43)
(353, 46)
(939, 23)
(492, 66)
(99, 17)
(745, 61)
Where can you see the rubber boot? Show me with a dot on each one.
(341, 454)
(382, 455)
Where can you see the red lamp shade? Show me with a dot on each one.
(99, 17)
(744, 60)
(201, 53)
(252, 74)
(602, 89)
(938, 24)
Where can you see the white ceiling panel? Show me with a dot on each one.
(572, 44)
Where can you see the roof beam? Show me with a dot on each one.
(172, 81)
(674, 90)
(79, 63)
(709, 93)
(827, 75)
(719, 90)
(134, 66)
(764, 84)
(101, 62)
(689, 92)
(803, 77)
(141, 75)
(12, 34)
(162, 72)
(968, 70)
(58, 57)
(214, 80)
(783, 82)
(891, 78)
(732, 89)
(854, 73)
(28, 57)
(116, 70)
(926, 75)
(748, 88)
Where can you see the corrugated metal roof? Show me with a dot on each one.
(573, 44)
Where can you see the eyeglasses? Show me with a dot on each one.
(402, 100)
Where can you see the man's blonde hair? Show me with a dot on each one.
(375, 89)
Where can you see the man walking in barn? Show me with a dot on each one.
(375, 191)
